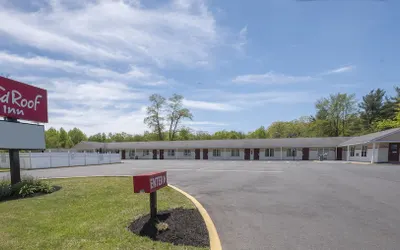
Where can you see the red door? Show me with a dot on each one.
(197, 154)
(393, 152)
(123, 155)
(256, 154)
(161, 154)
(247, 154)
(306, 154)
(339, 154)
(205, 154)
(154, 154)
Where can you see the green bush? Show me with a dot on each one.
(27, 187)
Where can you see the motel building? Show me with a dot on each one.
(377, 147)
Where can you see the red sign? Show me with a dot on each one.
(150, 182)
(22, 101)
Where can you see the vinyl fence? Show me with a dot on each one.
(59, 159)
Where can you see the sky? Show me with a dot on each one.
(238, 64)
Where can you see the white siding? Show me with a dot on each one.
(59, 159)
(277, 154)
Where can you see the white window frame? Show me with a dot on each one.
(187, 152)
(216, 152)
(364, 152)
(352, 151)
(235, 152)
(146, 152)
(171, 152)
(269, 152)
(289, 152)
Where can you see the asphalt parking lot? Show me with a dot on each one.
(282, 205)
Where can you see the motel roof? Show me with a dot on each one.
(374, 137)
(240, 143)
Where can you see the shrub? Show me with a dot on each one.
(27, 187)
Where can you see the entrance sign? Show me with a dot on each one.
(22, 101)
(150, 183)
(17, 135)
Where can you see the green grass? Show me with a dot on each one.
(87, 213)
(4, 169)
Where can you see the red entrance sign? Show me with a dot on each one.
(149, 182)
(22, 101)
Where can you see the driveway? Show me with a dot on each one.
(282, 205)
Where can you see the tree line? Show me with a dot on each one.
(338, 114)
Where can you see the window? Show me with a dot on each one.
(364, 151)
(352, 151)
(269, 152)
(187, 152)
(291, 152)
(171, 152)
(235, 152)
(146, 152)
(216, 152)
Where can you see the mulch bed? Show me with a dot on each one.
(185, 227)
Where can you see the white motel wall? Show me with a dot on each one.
(383, 146)
(60, 159)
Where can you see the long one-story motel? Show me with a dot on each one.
(377, 147)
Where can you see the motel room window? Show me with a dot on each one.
(269, 152)
(235, 152)
(352, 151)
(146, 152)
(291, 152)
(216, 152)
(171, 152)
(187, 152)
(364, 151)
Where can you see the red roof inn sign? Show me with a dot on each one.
(22, 101)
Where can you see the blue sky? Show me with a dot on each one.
(239, 64)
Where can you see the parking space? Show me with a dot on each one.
(282, 205)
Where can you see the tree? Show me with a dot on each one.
(336, 109)
(154, 119)
(185, 134)
(52, 138)
(390, 123)
(77, 136)
(390, 105)
(277, 130)
(176, 113)
(372, 108)
(63, 137)
(260, 133)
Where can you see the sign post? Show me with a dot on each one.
(21, 101)
(150, 183)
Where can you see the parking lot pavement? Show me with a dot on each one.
(283, 205)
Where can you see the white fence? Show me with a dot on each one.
(59, 159)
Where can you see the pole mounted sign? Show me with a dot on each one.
(22, 101)
(150, 183)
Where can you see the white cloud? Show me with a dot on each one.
(242, 39)
(12, 63)
(181, 32)
(339, 70)
(209, 105)
(271, 78)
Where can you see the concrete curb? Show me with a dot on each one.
(215, 243)
(345, 162)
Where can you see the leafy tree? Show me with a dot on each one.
(176, 113)
(390, 123)
(52, 138)
(260, 133)
(97, 137)
(390, 106)
(372, 108)
(277, 130)
(63, 137)
(336, 109)
(154, 119)
(185, 134)
(77, 136)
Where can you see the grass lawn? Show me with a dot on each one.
(87, 213)
(4, 170)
